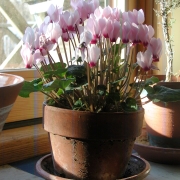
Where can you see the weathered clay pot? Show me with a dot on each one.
(10, 86)
(163, 121)
(91, 145)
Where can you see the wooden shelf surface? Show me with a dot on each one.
(22, 143)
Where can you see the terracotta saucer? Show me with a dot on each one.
(156, 154)
(137, 169)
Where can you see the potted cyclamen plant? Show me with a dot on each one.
(92, 112)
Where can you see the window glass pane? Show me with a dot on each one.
(15, 16)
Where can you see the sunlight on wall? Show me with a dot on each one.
(176, 39)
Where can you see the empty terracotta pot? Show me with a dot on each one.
(10, 85)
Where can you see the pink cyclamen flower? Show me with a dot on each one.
(63, 21)
(145, 34)
(116, 14)
(27, 56)
(53, 32)
(107, 12)
(93, 55)
(85, 37)
(136, 17)
(124, 32)
(53, 12)
(145, 59)
(107, 28)
(155, 47)
(134, 34)
(29, 37)
(93, 26)
(72, 20)
(85, 8)
(115, 32)
(44, 25)
(38, 56)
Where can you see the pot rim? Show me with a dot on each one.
(141, 109)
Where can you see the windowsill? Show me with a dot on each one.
(26, 170)
(22, 143)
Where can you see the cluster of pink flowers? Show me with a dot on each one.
(91, 23)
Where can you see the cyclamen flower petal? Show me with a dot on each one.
(38, 56)
(93, 55)
(107, 11)
(124, 17)
(145, 34)
(145, 59)
(75, 3)
(85, 37)
(107, 29)
(72, 20)
(134, 34)
(156, 48)
(65, 37)
(136, 17)
(44, 25)
(53, 32)
(53, 12)
(140, 16)
(93, 26)
(85, 8)
(115, 32)
(116, 14)
(36, 41)
(98, 12)
(63, 20)
(124, 32)
(29, 37)
(27, 56)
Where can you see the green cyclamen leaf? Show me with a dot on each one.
(164, 94)
(131, 103)
(151, 80)
(59, 72)
(76, 70)
(29, 87)
(56, 84)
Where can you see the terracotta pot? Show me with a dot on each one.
(163, 122)
(10, 86)
(91, 145)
